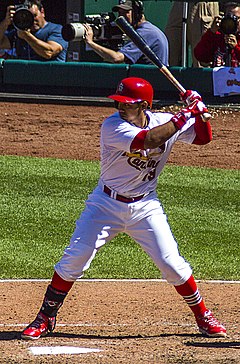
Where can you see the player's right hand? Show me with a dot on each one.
(197, 107)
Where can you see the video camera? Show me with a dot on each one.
(105, 31)
(229, 24)
(23, 18)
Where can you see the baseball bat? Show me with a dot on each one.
(136, 38)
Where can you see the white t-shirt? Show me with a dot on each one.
(135, 173)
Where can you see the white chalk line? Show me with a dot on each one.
(119, 280)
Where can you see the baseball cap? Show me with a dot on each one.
(123, 4)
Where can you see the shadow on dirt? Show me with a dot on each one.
(9, 335)
(15, 335)
(219, 344)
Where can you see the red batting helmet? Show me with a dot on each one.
(133, 89)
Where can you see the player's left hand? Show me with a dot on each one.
(190, 96)
(196, 108)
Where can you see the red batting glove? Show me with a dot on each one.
(194, 109)
(197, 108)
(190, 96)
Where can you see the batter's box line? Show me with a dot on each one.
(135, 280)
(161, 323)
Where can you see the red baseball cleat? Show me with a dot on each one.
(210, 326)
(41, 326)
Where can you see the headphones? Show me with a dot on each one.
(137, 10)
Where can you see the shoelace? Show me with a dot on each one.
(38, 321)
(211, 320)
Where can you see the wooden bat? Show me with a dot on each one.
(136, 38)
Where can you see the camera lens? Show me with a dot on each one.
(23, 19)
(229, 24)
(73, 31)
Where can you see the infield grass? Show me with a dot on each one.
(41, 199)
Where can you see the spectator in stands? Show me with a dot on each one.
(129, 53)
(42, 42)
(199, 18)
(220, 45)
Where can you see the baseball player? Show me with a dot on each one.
(135, 145)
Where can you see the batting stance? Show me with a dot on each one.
(135, 145)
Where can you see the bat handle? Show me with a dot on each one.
(206, 116)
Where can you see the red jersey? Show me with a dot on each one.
(212, 49)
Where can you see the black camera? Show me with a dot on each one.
(229, 24)
(23, 19)
(105, 31)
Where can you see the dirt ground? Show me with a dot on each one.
(72, 132)
(130, 322)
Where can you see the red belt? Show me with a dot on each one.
(121, 198)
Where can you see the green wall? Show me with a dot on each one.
(156, 11)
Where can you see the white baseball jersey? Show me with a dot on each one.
(135, 173)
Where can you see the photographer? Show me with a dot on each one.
(41, 41)
(199, 18)
(220, 45)
(129, 53)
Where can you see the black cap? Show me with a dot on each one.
(123, 4)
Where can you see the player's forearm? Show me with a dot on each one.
(107, 54)
(203, 131)
(159, 135)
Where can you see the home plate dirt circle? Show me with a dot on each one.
(129, 321)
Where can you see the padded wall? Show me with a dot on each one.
(100, 79)
(85, 78)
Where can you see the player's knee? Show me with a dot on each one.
(176, 272)
(75, 261)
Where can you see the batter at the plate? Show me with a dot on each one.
(135, 145)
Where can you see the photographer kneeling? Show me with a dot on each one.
(32, 36)
(129, 53)
(220, 45)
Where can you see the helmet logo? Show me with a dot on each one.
(120, 87)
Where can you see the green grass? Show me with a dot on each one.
(41, 199)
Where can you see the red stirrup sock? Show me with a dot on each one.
(192, 297)
(60, 284)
